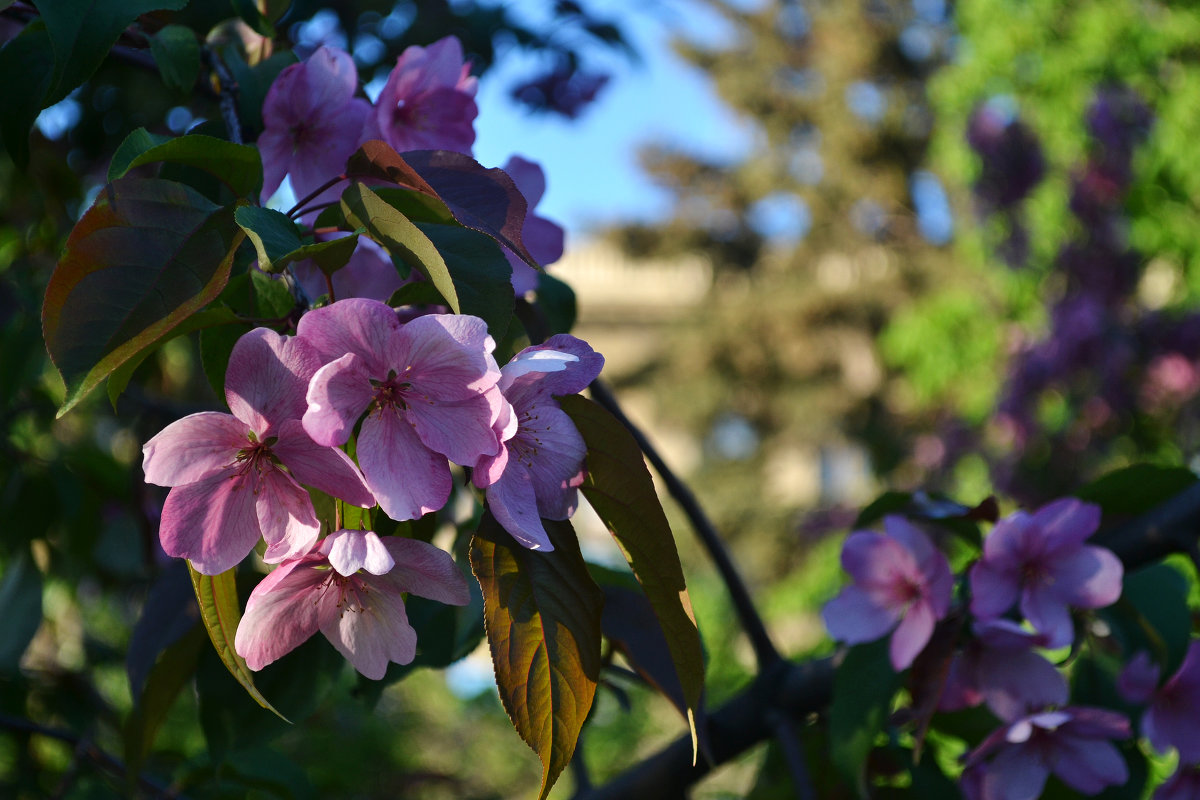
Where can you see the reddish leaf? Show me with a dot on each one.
(620, 489)
(542, 616)
(377, 160)
(147, 255)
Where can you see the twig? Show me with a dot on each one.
(227, 95)
(760, 640)
(793, 754)
(88, 750)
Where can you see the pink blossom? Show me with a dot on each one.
(901, 581)
(1173, 718)
(230, 485)
(542, 238)
(428, 388)
(999, 667)
(1071, 742)
(537, 471)
(1041, 561)
(351, 588)
(312, 123)
(428, 101)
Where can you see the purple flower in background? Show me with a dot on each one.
(229, 485)
(1072, 742)
(543, 238)
(1010, 157)
(1041, 561)
(428, 388)
(312, 123)
(901, 581)
(1173, 718)
(564, 89)
(1184, 784)
(1138, 679)
(428, 102)
(369, 273)
(351, 588)
(538, 469)
(998, 667)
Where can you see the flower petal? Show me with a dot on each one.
(461, 430)
(337, 396)
(281, 612)
(349, 551)
(267, 378)
(993, 590)
(1088, 765)
(911, 635)
(1065, 524)
(853, 617)
(1089, 577)
(407, 478)
(211, 522)
(369, 627)
(1048, 614)
(285, 515)
(425, 570)
(354, 325)
(193, 448)
(513, 503)
(324, 468)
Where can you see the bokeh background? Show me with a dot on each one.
(828, 248)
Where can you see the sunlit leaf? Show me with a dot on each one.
(620, 489)
(542, 614)
(220, 612)
(378, 161)
(148, 254)
(400, 237)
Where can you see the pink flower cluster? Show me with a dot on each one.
(313, 122)
(415, 396)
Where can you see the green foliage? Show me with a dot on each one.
(862, 697)
(542, 612)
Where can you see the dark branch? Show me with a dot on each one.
(760, 640)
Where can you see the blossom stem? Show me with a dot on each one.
(299, 208)
(764, 649)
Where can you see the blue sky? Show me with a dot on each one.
(591, 163)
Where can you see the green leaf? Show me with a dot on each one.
(220, 613)
(482, 275)
(28, 54)
(253, 83)
(1136, 489)
(137, 142)
(119, 379)
(862, 697)
(417, 293)
(83, 31)
(148, 254)
(21, 605)
(171, 672)
(1152, 615)
(273, 234)
(619, 487)
(177, 54)
(250, 295)
(557, 301)
(400, 236)
(542, 613)
(483, 199)
(376, 160)
(237, 166)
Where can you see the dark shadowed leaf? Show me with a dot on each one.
(250, 14)
(401, 238)
(486, 200)
(83, 31)
(542, 614)
(28, 53)
(862, 696)
(148, 254)
(1136, 489)
(253, 83)
(177, 54)
(557, 301)
(273, 234)
(1152, 615)
(173, 670)
(137, 142)
(21, 605)
(620, 489)
(237, 166)
(927, 679)
(169, 612)
(482, 275)
(252, 295)
(220, 612)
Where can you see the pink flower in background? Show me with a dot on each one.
(428, 388)
(428, 102)
(230, 487)
(999, 667)
(901, 581)
(1071, 742)
(1040, 560)
(540, 465)
(542, 238)
(312, 123)
(1173, 718)
(351, 588)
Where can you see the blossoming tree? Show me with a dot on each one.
(388, 346)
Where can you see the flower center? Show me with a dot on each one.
(255, 456)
